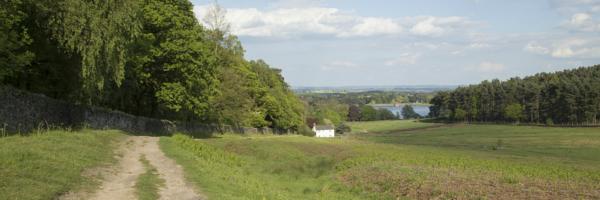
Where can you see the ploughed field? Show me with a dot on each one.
(397, 160)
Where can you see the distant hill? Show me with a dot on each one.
(353, 89)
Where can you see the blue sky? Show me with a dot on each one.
(426, 42)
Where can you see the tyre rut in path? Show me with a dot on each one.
(121, 179)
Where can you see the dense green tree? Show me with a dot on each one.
(342, 128)
(14, 39)
(282, 107)
(565, 97)
(145, 57)
(171, 72)
(408, 112)
(460, 114)
(354, 113)
(331, 110)
(80, 46)
(385, 114)
(514, 112)
(368, 113)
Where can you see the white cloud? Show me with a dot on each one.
(479, 45)
(488, 66)
(403, 59)
(568, 48)
(562, 52)
(583, 22)
(340, 65)
(296, 3)
(437, 26)
(284, 22)
(374, 26)
(427, 27)
(573, 6)
(536, 48)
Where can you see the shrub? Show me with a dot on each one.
(304, 130)
(343, 128)
(549, 122)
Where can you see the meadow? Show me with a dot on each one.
(49, 164)
(376, 127)
(397, 160)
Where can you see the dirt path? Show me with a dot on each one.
(120, 180)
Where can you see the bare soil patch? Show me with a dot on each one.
(119, 180)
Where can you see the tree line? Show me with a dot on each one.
(145, 57)
(570, 97)
(371, 97)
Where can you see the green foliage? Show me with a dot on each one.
(44, 166)
(354, 113)
(385, 114)
(549, 122)
(460, 114)
(14, 39)
(306, 131)
(328, 110)
(282, 108)
(567, 97)
(145, 57)
(514, 112)
(409, 113)
(96, 32)
(371, 97)
(368, 113)
(342, 128)
(171, 72)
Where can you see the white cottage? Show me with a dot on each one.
(324, 131)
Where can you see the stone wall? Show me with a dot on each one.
(24, 112)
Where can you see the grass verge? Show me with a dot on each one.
(148, 183)
(44, 166)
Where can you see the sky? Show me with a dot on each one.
(420, 42)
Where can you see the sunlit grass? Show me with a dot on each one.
(44, 166)
(386, 126)
(450, 162)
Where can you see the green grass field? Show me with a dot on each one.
(447, 162)
(387, 126)
(44, 166)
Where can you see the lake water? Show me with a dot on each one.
(397, 109)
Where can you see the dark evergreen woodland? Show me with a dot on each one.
(569, 97)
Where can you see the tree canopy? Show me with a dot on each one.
(565, 97)
(146, 57)
(408, 112)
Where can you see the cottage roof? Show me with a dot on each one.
(324, 127)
